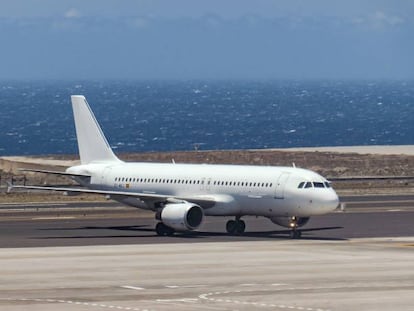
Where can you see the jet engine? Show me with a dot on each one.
(290, 222)
(182, 216)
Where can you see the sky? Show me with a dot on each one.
(200, 39)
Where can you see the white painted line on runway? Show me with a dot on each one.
(394, 210)
(32, 204)
(74, 303)
(178, 300)
(208, 297)
(53, 218)
(132, 287)
(185, 286)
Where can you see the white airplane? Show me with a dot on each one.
(182, 194)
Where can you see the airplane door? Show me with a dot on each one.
(280, 185)
(105, 176)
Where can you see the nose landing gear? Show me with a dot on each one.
(236, 227)
(294, 223)
(295, 234)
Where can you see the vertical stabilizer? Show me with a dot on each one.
(93, 146)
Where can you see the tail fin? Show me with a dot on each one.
(93, 146)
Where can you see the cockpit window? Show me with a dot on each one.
(315, 184)
(318, 184)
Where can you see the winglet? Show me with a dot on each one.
(93, 146)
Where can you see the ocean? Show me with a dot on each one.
(140, 116)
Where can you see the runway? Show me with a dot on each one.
(108, 223)
(105, 257)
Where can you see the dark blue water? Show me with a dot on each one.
(36, 117)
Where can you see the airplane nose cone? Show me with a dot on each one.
(323, 203)
(330, 201)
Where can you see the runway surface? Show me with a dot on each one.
(363, 274)
(89, 256)
(77, 224)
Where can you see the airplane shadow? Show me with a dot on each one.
(193, 235)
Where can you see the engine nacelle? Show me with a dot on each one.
(290, 222)
(182, 216)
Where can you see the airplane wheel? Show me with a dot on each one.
(231, 226)
(235, 226)
(163, 230)
(241, 226)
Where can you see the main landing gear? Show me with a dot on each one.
(164, 230)
(236, 226)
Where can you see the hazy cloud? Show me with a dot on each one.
(379, 20)
(72, 13)
(139, 22)
(374, 42)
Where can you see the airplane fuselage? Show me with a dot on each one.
(237, 189)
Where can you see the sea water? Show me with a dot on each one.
(136, 116)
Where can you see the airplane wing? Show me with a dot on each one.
(53, 172)
(204, 201)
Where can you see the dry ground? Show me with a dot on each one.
(329, 164)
